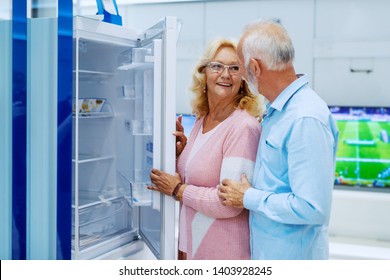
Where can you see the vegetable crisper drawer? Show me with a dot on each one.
(102, 221)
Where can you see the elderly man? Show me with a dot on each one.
(291, 192)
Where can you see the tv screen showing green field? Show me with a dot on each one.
(363, 154)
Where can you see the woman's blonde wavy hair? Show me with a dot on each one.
(245, 100)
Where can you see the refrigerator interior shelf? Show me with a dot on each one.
(136, 66)
(107, 209)
(85, 240)
(105, 112)
(100, 221)
(91, 198)
(94, 76)
(94, 115)
(85, 158)
(129, 98)
(121, 237)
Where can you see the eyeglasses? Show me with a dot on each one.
(217, 67)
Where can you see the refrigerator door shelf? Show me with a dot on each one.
(140, 195)
(135, 193)
(142, 127)
(128, 92)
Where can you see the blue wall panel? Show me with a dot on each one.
(64, 148)
(19, 104)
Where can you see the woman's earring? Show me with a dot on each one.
(204, 90)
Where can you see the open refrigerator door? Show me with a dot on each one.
(124, 113)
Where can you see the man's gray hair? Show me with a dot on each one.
(269, 42)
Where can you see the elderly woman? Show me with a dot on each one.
(223, 144)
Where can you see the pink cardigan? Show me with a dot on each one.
(214, 231)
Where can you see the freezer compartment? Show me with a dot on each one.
(96, 55)
(136, 58)
(101, 220)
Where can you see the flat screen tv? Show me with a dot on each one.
(363, 155)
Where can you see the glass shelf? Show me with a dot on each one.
(91, 158)
(136, 66)
(94, 76)
(106, 112)
(89, 239)
(94, 115)
(91, 198)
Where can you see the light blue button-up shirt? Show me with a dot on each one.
(290, 201)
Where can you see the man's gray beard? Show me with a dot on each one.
(253, 84)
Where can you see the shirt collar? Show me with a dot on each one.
(286, 94)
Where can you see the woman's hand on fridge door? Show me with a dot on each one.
(181, 139)
(163, 182)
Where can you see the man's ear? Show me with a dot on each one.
(255, 67)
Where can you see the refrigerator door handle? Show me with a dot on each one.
(157, 122)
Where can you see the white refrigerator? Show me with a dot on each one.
(123, 119)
